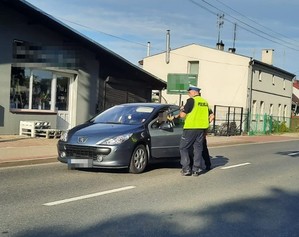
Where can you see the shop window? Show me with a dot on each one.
(41, 90)
(35, 90)
(19, 90)
(30, 89)
(62, 93)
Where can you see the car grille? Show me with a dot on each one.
(81, 151)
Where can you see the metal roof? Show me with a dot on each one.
(41, 17)
(273, 67)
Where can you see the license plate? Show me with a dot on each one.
(80, 163)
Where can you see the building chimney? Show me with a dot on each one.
(167, 56)
(148, 53)
(267, 56)
(220, 45)
(232, 50)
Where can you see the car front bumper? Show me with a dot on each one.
(79, 156)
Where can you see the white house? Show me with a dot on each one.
(227, 78)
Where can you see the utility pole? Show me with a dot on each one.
(220, 22)
(233, 49)
(235, 34)
(167, 56)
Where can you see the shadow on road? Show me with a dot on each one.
(160, 164)
(274, 215)
(289, 153)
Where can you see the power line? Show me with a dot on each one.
(260, 33)
(220, 23)
(120, 38)
(258, 29)
(102, 32)
(254, 28)
(267, 28)
(145, 45)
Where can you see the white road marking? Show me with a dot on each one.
(88, 196)
(214, 146)
(293, 154)
(234, 166)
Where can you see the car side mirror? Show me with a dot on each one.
(166, 127)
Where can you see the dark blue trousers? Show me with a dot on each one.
(192, 138)
(206, 154)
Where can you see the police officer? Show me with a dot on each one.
(196, 113)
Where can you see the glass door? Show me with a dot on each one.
(63, 100)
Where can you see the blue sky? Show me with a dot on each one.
(125, 26)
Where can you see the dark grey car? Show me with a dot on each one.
(124, 136)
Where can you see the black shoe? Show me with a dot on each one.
(196, 173)
(185, 172)
(208, 168)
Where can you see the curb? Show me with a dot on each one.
(14, 163)
(14, 142)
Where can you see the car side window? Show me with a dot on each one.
(159, 120)
(166, 118)
(174, 112)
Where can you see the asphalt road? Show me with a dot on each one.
(253, 190)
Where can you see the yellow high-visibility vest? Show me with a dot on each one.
(198, 118)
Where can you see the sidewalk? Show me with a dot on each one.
(23, 150)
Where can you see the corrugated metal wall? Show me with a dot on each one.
(118, 95)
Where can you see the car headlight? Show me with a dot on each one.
(116, 140)
(64, 136)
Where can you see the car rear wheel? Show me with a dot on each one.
(138, 160)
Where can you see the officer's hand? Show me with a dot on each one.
(170, 117)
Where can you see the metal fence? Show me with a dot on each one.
(268, 124)
(231, 121)
(228, 121)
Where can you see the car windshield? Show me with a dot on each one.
(120, 114)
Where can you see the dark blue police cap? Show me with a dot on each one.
(193, 88)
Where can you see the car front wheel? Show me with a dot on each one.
(138, 160)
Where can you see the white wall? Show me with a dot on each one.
(275, 90)
(222, 76)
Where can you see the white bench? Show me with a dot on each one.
(29, 127)
(48, 133)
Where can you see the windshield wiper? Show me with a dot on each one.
(112, 122)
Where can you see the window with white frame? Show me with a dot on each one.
(279, 112)
(262, 110)
(34, 89)
(19, 88)
(193, 67)
(271, 109)
(285, 112)
(253, 111)
(260, 75)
